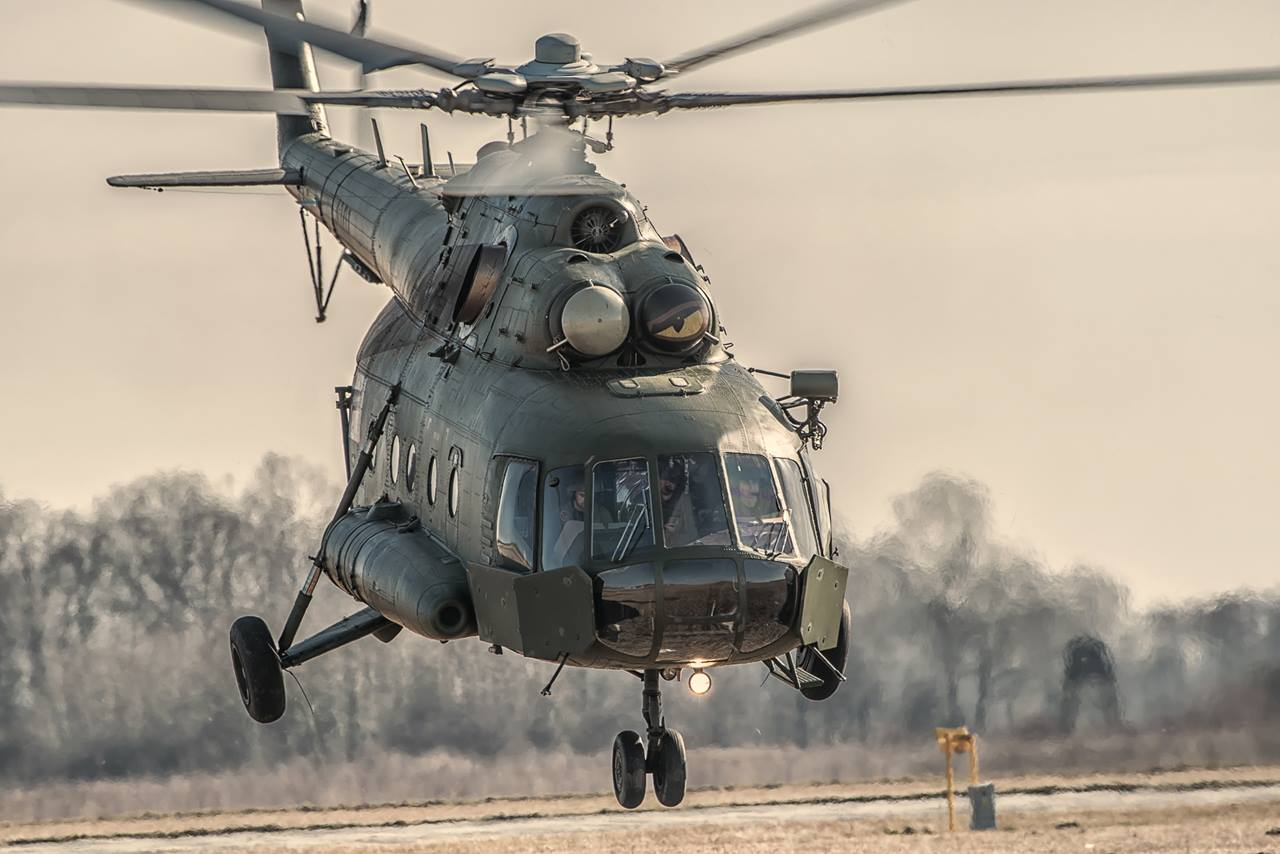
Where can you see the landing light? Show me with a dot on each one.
(699, 682)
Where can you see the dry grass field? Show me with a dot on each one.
(1234, 830)
(1236, 810)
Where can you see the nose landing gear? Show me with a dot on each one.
(665, 759)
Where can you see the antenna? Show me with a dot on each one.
(377, 140)
(428, 168)
(407, 173)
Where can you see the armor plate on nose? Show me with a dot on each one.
(700, 609)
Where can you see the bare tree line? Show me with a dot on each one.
(113, 659)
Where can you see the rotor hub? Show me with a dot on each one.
(558, 49)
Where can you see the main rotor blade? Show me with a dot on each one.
(699, 100)
(280, 101)
(291, 102)
(785, 28)
(372, 54)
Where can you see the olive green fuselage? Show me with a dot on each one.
(475, 395)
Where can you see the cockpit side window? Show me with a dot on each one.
(564, 518)
(516, 529)
(797, 505)
(620, 514)
(693, 506)
(757, 512)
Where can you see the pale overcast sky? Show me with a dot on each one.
(1072, 298)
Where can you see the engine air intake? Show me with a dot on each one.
(598, 229)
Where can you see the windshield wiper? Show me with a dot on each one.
(631, 534)
(778, 540)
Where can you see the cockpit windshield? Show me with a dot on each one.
(702, 499)
(564, 518)
(757, 512)
(620, 509)
(693, 507)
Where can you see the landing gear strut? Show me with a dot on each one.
(258, 661)
(665, 759)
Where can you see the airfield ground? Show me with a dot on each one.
(1236, 810)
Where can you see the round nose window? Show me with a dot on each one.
(675, 316)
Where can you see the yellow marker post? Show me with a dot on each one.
(952, 740)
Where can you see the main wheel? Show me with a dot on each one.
(257, 667)
(669, 769)
(628, 769)
(837, 655)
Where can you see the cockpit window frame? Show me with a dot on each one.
(547, 542)
(804, 518)
(655, 510)
(717, 455)
(793, 548)
(503, 465)
(658, 550)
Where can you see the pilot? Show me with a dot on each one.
(761, 523)
(568, 545)
(578, 509)
(747, 500)
(677, 513)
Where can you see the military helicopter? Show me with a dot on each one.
(548, 444)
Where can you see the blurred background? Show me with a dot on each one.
(1054, 316)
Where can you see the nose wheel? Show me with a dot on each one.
(628, 769)
(669, 768)
(665, 758)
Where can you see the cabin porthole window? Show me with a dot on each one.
(432, 478)
(411, 467)
(453, 492)
(393, 462)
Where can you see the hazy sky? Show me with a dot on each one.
(1072, 298)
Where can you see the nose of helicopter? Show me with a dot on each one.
(674, 491)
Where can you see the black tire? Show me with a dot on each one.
(628, 769)
(669, 770)
(257, 669)
(837, 655)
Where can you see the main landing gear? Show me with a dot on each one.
(665, 758)
(259, 661)
(257, 666)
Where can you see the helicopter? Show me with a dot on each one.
(548, 444)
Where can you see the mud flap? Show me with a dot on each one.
(542, 614)
(822, 603)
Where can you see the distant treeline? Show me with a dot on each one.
(114, 662)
